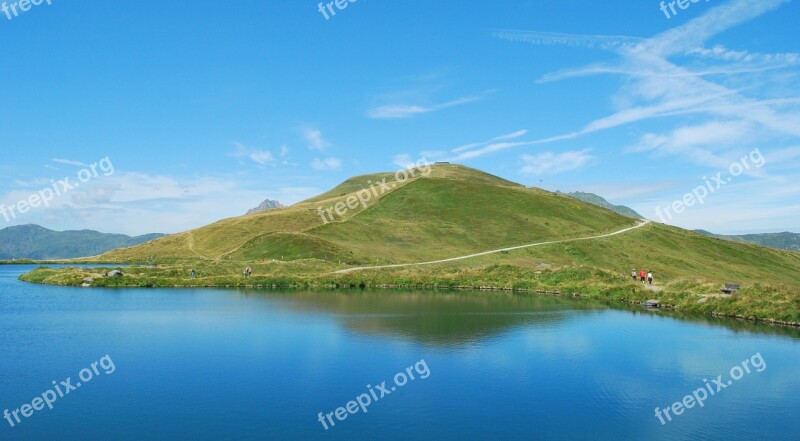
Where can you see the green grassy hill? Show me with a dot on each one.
(454, 211)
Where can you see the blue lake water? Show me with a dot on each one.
(257, 365)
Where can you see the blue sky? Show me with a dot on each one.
(207, 108)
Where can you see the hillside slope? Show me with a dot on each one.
(36, 242)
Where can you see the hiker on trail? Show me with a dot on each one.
(642, 275)
(248, 271)
(650, 277)
(193, 272)
(633, 275)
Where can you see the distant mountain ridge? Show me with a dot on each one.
(785, 241)
(37, 242)
(594, 199)
(268, 204)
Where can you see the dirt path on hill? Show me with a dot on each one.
(452, 259)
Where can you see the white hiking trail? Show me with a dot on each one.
(452, 259)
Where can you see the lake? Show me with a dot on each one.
(211, 364)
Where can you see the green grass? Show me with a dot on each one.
(433, 219)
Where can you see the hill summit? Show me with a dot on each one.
(268, 204)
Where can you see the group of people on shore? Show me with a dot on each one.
(246, 273)
(645, 277)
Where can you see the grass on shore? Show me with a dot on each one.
(518, 271)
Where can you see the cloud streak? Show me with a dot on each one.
(259, 156)
(69, 162)
(136, 202)
(402, 111)
(550, 163)
(314, 139)
(326, 164)
(657, 88)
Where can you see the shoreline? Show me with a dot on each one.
(436, 287)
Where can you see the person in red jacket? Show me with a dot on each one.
(642, 275)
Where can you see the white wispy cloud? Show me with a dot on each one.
(38, 182)
(136, 202)
(607, 42)
(507, 136)
(314, 139)
(326, 164)
(698, 143)
(720, 52)
(403, 160)
(69, 162)
(658, 88)
(480, 149)
(262, 157)
(713, 103)
(784, 157)
(551, 163)
(96, 195)
(399, 111)
(433, 154)
(774, 209)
